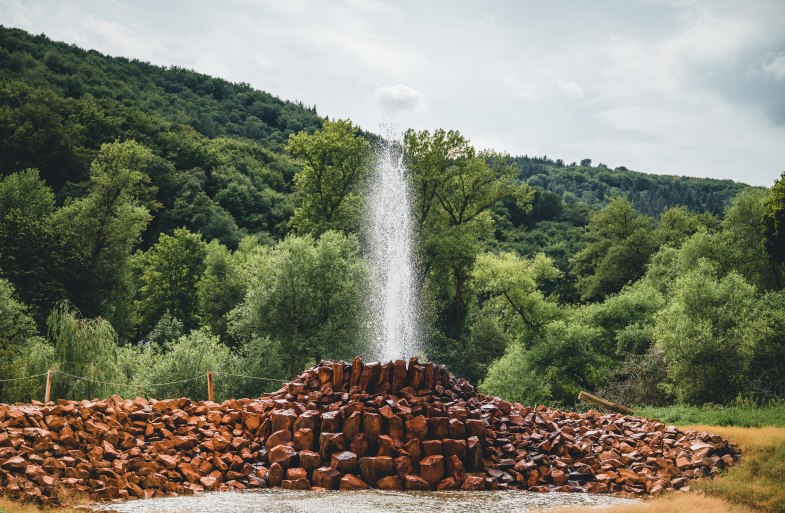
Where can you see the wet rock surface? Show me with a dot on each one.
(343, 426)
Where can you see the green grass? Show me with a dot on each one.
(745, 415)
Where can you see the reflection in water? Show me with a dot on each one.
(372, 501)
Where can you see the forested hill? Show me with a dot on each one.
(212, 106)
(650, 194)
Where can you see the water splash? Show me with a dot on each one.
(390, 239)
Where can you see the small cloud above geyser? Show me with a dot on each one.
(400, 97)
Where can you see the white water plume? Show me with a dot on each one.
(390, 243)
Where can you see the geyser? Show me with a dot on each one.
(390, 238)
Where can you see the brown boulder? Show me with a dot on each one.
(432, 469)
(352, 482)
(344, 462)
(374, 468)
(326, 477)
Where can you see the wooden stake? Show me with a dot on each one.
(48, 386)
(603, 403)
(210, 388)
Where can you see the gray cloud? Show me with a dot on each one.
(672, 86)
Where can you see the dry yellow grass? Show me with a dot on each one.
(9, 506)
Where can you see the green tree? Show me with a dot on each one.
(17, 329)
(86, 348)
(307, 295)
(455, 190)
(171, 271)
(220, 289)
(774, 222)
(98, 232)
(512, 287)
(335, 161)
(621, 245)
(702, 333)
(30, 257)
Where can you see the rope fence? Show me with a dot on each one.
(209, 375)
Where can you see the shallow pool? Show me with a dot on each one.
(372, 501)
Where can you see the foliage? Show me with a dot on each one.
(512, 287)
(741, 414)
(335, 161)
(702, 333)
(308, 295)
(220, 289)
(622, 242)
(189, 357)
(774, 222)
(171, 271)
(86, 348)
(17, 333)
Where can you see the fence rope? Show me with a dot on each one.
(55, 371)
(6, 380)
(251, 377)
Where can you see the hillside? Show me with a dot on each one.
(221, 142)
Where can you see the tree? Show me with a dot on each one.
(17, 328)
(455, 190)
(702, 333)
(98, 232)
(220, 289)
(335, 161)
(621, 245)
(308, 295)
(30, 257)
(774, 222)
(512, 288)
(86, 348)
(171, 271)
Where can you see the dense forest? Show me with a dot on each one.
(156, 223)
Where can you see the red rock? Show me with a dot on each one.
(326, 477)
(432, 469)
(416, 428)
(389, 483)
(296, 473)
(473, 483)
(558, 477)
(413, 483)
(281, 437)
(352, 482)
(283, 455)
(310, 460)
(297, 484)
(447, 483)
(344, 462)
(283, 420)
(374, 468)
(303, 439)
(351, 426)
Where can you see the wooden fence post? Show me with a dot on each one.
(210, 388)
(48, 386)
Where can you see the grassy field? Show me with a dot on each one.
(741, 416)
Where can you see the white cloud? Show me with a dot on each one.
(776, 67)
(400, 97)
(569, 88)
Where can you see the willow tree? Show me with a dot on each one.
(86, 348)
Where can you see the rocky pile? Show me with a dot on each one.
(346, 426)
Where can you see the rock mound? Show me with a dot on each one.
(346, 426)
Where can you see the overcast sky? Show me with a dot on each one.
(679, 87)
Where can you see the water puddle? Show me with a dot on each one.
(372, 501)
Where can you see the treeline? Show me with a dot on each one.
(137, 246)
(649, 194)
